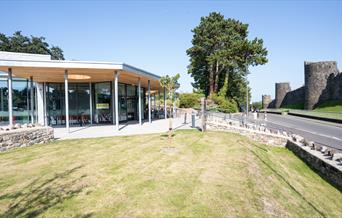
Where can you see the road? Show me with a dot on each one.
(321, 132)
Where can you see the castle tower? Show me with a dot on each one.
(266, 100)
(280, 91)
(316, 75)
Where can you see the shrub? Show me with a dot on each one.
(224, 105)
(189, 100)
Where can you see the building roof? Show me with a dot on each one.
(43, 69)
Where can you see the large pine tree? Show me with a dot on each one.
(220, 48)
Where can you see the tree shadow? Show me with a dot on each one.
(42, 194)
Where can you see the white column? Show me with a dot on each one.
(139, 101)
(113, 101)
(45, 104)
(31, 100)
(40, 103)
(117, 100)
(154, 105)
(91, 103)
(165, 108)
(149, 101)
(10, 98)
(66, 90)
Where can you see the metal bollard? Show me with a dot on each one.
(185, 118)
(193, 120)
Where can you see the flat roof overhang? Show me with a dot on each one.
(53, 71)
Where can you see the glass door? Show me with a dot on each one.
(102, 101)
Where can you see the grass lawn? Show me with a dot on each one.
(330, 106)
(215, 174)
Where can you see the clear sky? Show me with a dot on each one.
(154, 35)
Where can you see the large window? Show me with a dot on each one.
(102, 102)
(3, 102)
(55, 104)
(20, 100)
(79, 112)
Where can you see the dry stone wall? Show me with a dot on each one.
(24, 137)
(321, 163)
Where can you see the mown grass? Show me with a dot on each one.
(330, 106)
(213, 174)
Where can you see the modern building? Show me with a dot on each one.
(36, 89)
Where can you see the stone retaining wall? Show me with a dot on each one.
(262, 136)
(328, 169)
(25, 137)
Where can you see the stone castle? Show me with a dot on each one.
(323, 82)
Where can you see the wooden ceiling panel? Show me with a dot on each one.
(96, 75)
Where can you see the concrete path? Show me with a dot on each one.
(130, 128)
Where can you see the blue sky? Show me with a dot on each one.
(154, 35)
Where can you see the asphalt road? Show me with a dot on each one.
(321, 132)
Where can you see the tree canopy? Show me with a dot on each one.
(34, 45)
(220, 55)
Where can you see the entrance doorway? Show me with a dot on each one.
(102, 102)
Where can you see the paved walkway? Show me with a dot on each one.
(130, 128)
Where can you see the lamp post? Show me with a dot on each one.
(246, 95)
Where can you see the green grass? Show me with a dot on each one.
(213, 174)
(294, 106)
(330, 106)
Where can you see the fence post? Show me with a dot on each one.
(204, 114)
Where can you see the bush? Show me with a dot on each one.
(189, 100)
(224, 105)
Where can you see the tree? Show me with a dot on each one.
(34, 45)
(220, 48)
(170, 83)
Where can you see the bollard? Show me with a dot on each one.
(193, 120)
(185, 118)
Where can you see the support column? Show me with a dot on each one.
(154, 105)
(113, 101)
(149, 102)
(165, 108)
(117, 100)
(139, 101)
(66, 89)
(91, 103)
(45, 104)
(40, 103)
(10, 98)
(31, 100)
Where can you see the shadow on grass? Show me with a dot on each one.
(40, 195)
(282, 178)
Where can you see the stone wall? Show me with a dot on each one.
(24, 137)
(316, 79)
(280, 91)
(266, 100)
(323, 82)
(328, 169)
(333, 90)
(253, 132)
(294, 97)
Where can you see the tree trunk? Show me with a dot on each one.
(170, 119)
(211, 81)
(216, 77)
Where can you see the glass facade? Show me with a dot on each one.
(103, 102)
(79, 103)
(21, 95)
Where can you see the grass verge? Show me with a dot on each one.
(213, 174)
